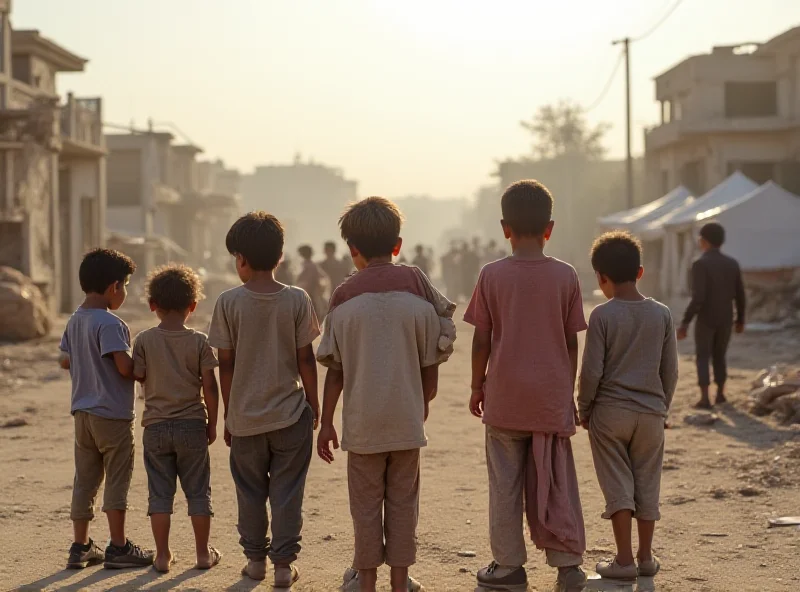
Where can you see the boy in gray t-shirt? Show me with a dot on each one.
(96, 349)
(628, 377)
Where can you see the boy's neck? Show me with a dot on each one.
(95, 301)
(529, 248)
(173, 320)
(627, 291)
(377, 261)
(263, 282)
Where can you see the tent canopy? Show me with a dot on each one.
(730, 190)
(762, 228)
(637, 217)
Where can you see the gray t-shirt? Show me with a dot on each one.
(631, 358)
(91, 336)
(265, 331)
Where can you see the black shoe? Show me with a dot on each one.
(496, 577)
(128, 556)
(81, 556)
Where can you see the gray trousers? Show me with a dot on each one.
(272, 466)
(711, 344)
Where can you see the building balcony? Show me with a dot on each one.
(82, 127)
(667, 134)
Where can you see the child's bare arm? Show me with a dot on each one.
(572, 349)
(63, 360)
(481, 349)
(430, 384)
(124, 363)
(334, 384)
(211, 397)
(307, 365)
(227, 361)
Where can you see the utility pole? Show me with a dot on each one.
(626, 44)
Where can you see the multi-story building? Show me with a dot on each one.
(736, 108)
(307, 198)
(52, 165)
(164, 205)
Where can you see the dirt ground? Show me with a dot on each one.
(720, 485)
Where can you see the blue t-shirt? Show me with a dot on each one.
(91, 336)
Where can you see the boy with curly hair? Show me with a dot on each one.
(176, 366)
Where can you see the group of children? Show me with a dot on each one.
(386, 332)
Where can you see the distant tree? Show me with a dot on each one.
(562, 129)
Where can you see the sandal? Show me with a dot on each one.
(214, 556)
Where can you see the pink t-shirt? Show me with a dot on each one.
(529, 306)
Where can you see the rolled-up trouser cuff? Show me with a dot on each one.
(89, 516)
(160, 505)
(647, 514)
(562, 558)
(617, 506)
(200, 507)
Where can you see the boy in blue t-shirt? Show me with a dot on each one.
(96, 349)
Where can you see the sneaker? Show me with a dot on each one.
(500, 577)
(611, 570)
(649, 568)
(286, 576)
(255, 569)
(414, 585)
(81, 556)
(571, 578)
(129, 555)
(350, 581)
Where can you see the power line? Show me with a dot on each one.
(607, 87)
(660, 22)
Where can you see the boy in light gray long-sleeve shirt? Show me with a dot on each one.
(628, 378)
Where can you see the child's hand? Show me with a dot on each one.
(427, 410)
(476, 402)
(327, 436)
(683, 331)
(585, 423)
(211, 432)
(226, 435)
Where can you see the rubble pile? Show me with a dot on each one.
(777, 390)
(773, 297)
(23, 310)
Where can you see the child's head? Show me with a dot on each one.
(256, 240)
(527, 208)
(173, 288)
(106, 273)
(419, 250)
(330, 249)
(306, 252)
(712, 236)
(371, 228)
(616, 259)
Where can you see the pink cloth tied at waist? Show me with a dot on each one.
(552, 500)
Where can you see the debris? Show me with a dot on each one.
(24, 313)
(329, 537)
(750, 491)
(701, 419)
(679, 500)
(463, 570)
(714, 534)
(17, 422)
(719, 493)
(467, 554)
(784, 521)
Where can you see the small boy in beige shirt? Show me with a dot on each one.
(382, 349)
(176, 366)
(628, 378)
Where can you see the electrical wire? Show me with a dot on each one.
(607, 87)
(660, 22)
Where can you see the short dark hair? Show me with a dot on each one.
(258, 238)
(101, 268)
(372, 226)
(527, 207)
(305, 251)
(714, 233)
(330, 245)
(618, 256)
(173, 287)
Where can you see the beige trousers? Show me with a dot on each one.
(628, 451)
(103, 450)
(384, 503)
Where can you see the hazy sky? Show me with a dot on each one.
(407, 96)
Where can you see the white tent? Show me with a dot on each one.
(678, 229)
(637, 218)
(762, 228)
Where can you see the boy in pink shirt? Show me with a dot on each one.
(527, 312)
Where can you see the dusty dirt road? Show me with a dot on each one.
(720, 485)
